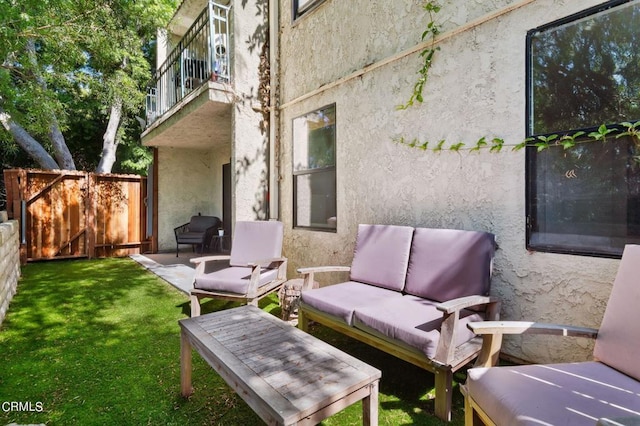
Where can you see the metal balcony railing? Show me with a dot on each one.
(200, 56)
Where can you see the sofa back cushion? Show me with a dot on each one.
(256, 241)
(450, 263)
(381, 255)
(619, 334)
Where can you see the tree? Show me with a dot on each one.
(60, 58)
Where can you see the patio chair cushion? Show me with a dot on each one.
(234, 279)
(340, 300)
(381, 255)
(618, 336)
(581, 393)
(199, 224)
(449, 263)
(412, 320)
(256, 241)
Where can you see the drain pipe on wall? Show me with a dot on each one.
(274, 125)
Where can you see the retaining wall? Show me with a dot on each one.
(9, 261)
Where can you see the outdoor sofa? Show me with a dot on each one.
(411, 292)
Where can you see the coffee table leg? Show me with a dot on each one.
(370, 406)
(185, 366)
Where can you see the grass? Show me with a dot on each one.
(96, 342)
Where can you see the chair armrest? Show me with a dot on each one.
(201, 262)
(266, 262)
(205, 259)
(451, 306)
(525, 327)
(492, 332)
(180, 229)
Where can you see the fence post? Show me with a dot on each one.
(90, 215)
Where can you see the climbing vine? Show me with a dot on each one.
(496, 144)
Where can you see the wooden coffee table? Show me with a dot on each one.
(284, 374)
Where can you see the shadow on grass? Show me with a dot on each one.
(97, 342)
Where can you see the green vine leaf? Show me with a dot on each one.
(457, 146)
(601, 134)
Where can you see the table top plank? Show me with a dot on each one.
(288, 373)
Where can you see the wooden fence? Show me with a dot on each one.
(69, 214)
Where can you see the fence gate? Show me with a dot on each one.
(69, 214)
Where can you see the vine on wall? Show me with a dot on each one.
(496, 144)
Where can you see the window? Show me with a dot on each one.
(300, 7)
(314, 170)
(582, 72)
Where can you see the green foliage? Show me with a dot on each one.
(430, 34)
(540, 142)
(86, 54)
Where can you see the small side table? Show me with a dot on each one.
(289, 296)
(218, 241)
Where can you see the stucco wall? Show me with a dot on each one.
(9, 261)
(189, 182)
(476, 88)
(249, 152)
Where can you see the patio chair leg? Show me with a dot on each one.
(444, 390)
(195, 306)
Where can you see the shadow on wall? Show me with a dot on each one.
(258, 42)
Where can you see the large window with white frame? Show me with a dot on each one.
(583, 75)
(314, 170)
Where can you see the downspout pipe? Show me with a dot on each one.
(274, 125)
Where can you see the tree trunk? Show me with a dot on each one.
(26, 142)
(109, 140)
(60, 149)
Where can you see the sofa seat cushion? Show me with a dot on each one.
(233, 280)
(412, 320)
(554, 394)
(341, 300)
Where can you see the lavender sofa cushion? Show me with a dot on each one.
(233, 280)
(381, 255)
(256, 241)
(448, 263)
(553, 394)
(619, 334)
(340, 300)
(412, 320)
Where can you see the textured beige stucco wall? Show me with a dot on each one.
(189, 182)
(249, 152)
(476, 88)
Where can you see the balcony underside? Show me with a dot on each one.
(202, 120)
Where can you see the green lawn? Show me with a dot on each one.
(97, 343)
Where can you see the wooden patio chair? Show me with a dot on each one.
(256, 266)
(197, 232)
(605, 390)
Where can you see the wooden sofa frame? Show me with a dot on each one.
(448, 358)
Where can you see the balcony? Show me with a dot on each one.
(199, 63)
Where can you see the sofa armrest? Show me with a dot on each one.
(308, 273)
(281, 264)
(446, 349)
(492, 332)
(460, 303)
